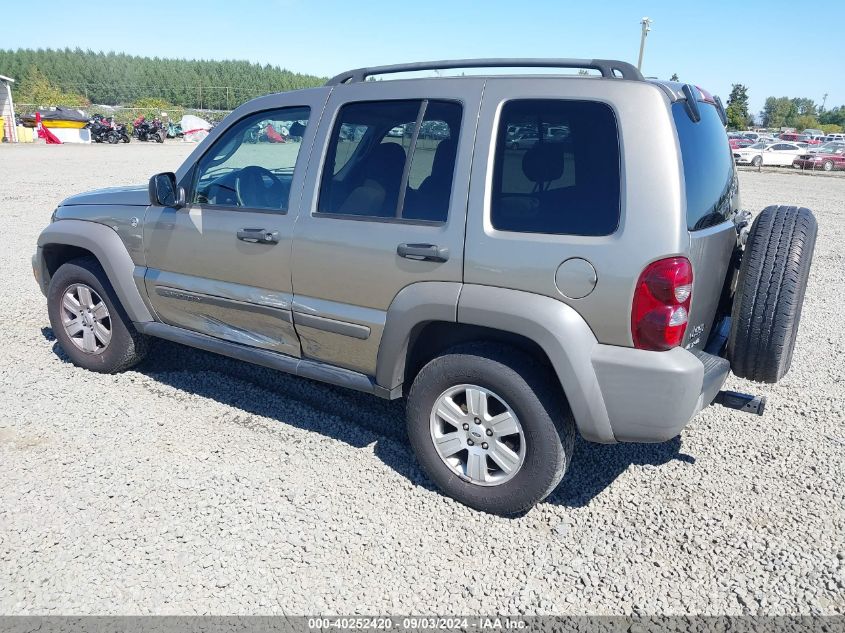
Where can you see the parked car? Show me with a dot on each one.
(835, 137)
(833, 159)
(768, 154)
(810, 131)
(829, 147)
(524, 140)
(513, 297)
(739, 143)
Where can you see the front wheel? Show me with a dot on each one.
(828, 165)
(88, 320)
(125, 138)
(490, 426)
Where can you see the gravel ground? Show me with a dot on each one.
(196, 484)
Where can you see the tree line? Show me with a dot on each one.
(76, 77)
(800, 113)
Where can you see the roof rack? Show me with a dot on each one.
(609, 68)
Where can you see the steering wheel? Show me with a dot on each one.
(252, 190)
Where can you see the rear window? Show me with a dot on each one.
(708, 166)
(556, 168)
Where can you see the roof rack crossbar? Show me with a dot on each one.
(609, 68)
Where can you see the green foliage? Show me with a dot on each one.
(737, 108)
(36, 89)
(805, 122)
(831, 128)
(119, 79)
(674, 77)
(799, 113)
(778, 112)
(834, 116)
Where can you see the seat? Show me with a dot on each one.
(431, 199)
(378, 192)
(543, 164)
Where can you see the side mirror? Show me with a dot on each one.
(164, 192)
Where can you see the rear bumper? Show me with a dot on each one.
(652, 396)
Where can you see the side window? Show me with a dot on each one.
(392, 159)
(251, 165)
(556, 168)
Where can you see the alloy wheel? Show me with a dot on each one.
(85, 317)
(477, 435)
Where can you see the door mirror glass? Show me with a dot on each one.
(164, 192)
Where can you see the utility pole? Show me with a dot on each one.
(646, 23)
(824, 99)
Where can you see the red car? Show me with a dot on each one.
(826, 161)
(739, 143)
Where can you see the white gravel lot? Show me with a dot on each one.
(196, 484)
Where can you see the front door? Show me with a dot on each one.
(221, 265)
(386, 209)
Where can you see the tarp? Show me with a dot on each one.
(191, 123)
(57, 114)
(194, 136)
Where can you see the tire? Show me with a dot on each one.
(113, 139)
(529, 391)
(757, 161)
(828, 165)
(159, 137)
(125, 138)
(126, 346)
(770, 292)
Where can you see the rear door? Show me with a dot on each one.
(221, 265)
(384, 208)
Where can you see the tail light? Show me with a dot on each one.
(660, 310)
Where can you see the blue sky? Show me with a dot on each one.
(712, 44)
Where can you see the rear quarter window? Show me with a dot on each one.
(708, 166)
(556, 168)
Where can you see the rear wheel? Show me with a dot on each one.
(770, 292)
(159, 137)
(828, 165)
(490, 427)
(88, 320)
(113, 139)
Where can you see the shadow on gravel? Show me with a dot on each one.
(362, 420)
(595, 466)
(357, 419)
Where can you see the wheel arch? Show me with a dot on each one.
(65, 240)
(427, 318)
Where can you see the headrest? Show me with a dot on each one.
(385, 160)
(544, 162)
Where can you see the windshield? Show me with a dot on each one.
(759, 146)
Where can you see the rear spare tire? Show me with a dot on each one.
(770, 292)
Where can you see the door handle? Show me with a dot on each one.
(258, 236)
(423, 252)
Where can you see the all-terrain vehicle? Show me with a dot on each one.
(598, 276)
